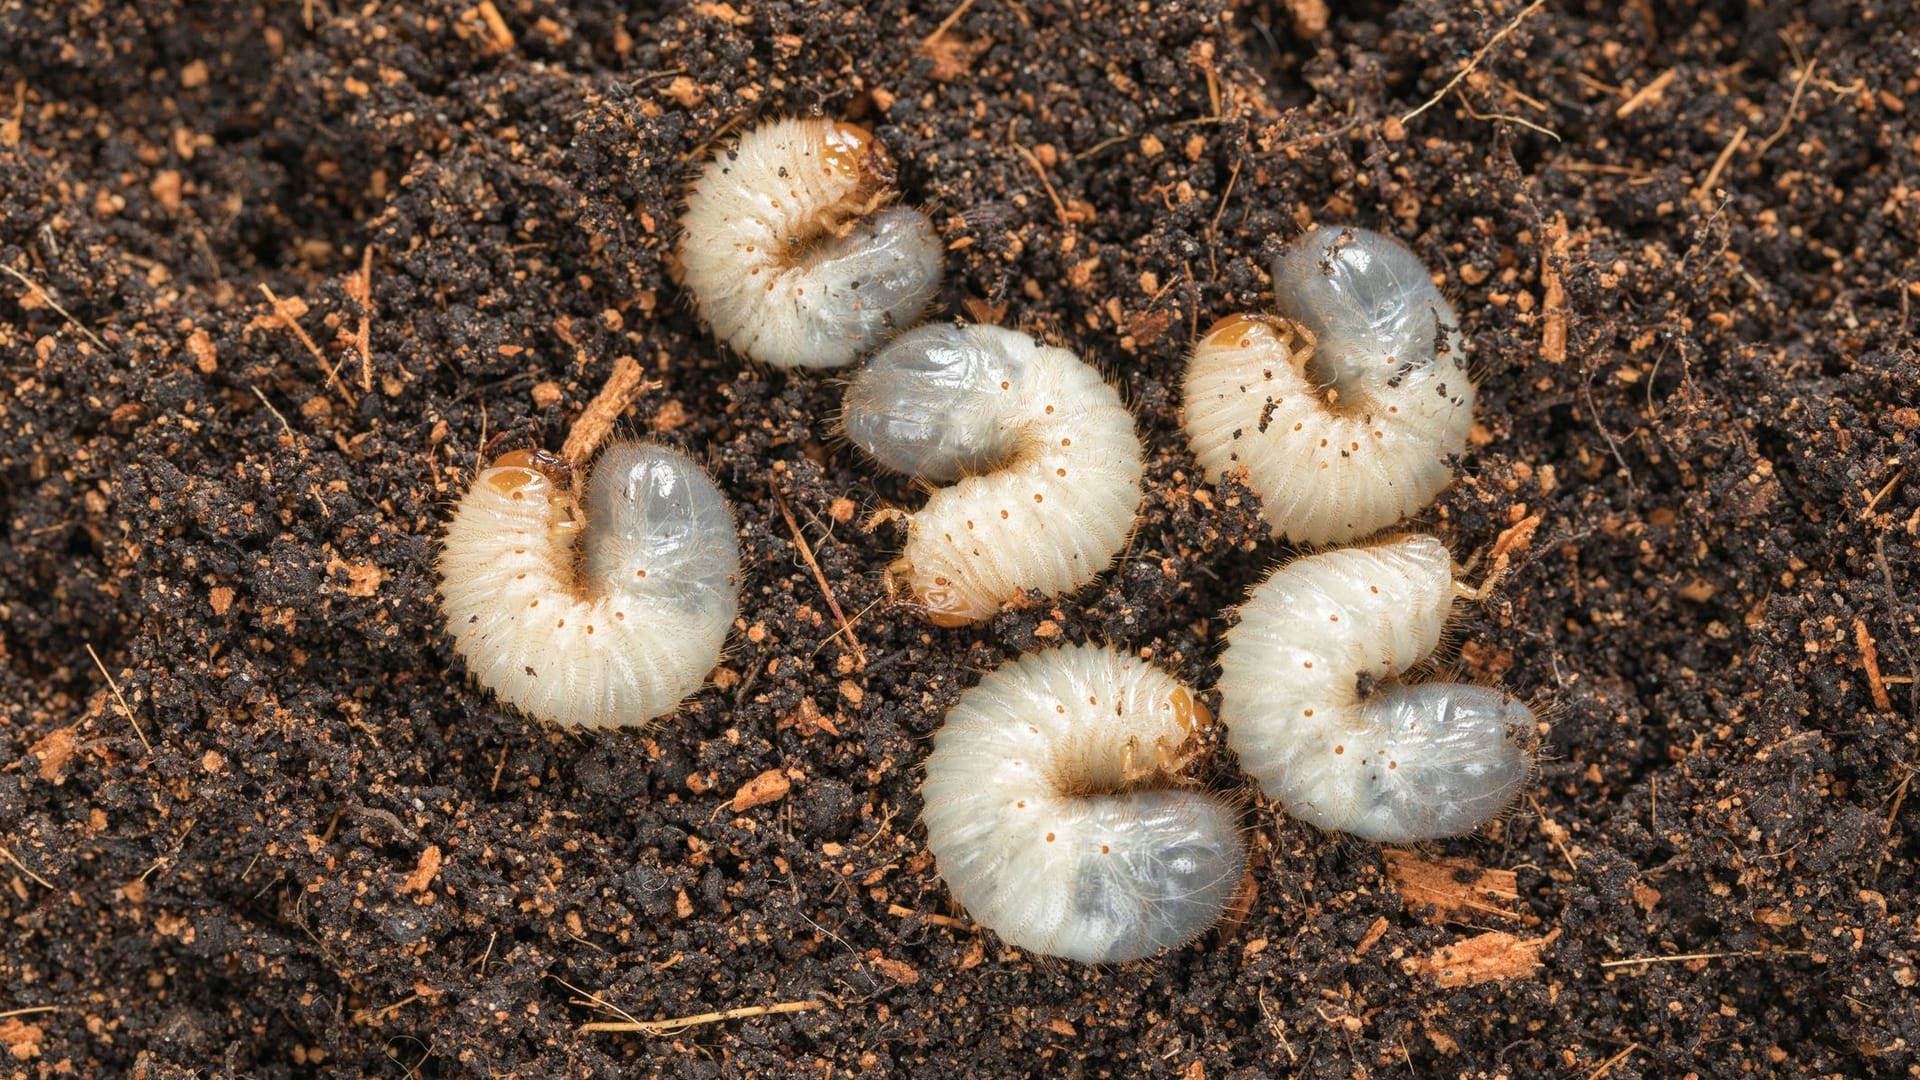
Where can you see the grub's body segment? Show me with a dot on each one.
(1044, 457)
(793, 256)
(1314, 706)
(1055, 811)
(1346, 411)
(615, 634)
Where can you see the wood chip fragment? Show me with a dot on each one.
(723, 12)
(22, 1040)
(364, 578)
(769, 786)
(807, 719)
(1438, 889)
(205, 360)
(55, 750)
(1483, 958)
(625, 385)
(948, 921)
(1374, 933)
(424, 871)
(899, 971)
(1553, 316)
(1870, 663)
(1517, 537)
(1309, 17)
(496, 26)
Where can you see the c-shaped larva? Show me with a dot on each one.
(1047, 460)
(1312, 701)
(1346, 411)
(793, 256)
(1054, 811)
(616, 634)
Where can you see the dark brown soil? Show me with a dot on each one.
(314, 849)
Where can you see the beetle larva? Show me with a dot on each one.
(615, 635)
(1346, 411)
(1044, 454)
(1056, 811)
(1313, 701)
(792, 253)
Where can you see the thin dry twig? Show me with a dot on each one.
(1607, 1065)
(1508, 117)
(1681, 958)
(588, 997)
(681, 1023)
(1213, 227)
(1799, 88)
(284, 311)
(1555, 834)
(946, 24)
(1898, 475)
(1040, 170)
(833, 604)
(364, 1016)
(24, 868)
(30, 1010)
(1899, 638)
(1477, 58)
(125, 710)
(1651, 92)
(47, 297)
(1720, 163)
(288, 428)
(1893, 813)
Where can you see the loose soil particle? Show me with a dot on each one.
(1683, 242)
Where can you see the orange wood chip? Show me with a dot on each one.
(1493, 955)
(769, 786)
(1441, 889)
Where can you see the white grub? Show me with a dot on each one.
(792, 253)
(1314, 705)
(1058, 813)
(1346, 411)
(616, 634)
(1044, 454)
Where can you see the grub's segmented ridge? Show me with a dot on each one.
(1055, 809)
(1314, 706)
(629, 634)
(1346, 411)
(1046, 464)
(791, 252)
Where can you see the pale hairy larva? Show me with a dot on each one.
(615, 634)
(1058, 812)
(792, 253)
(1047, 463)
(1314, 703)
(1346, 410)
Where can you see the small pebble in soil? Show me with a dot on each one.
(1041, 459)
(1346, 411)
(793, 252)
(1059, 812)
(615, 635)
(1315, 706)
